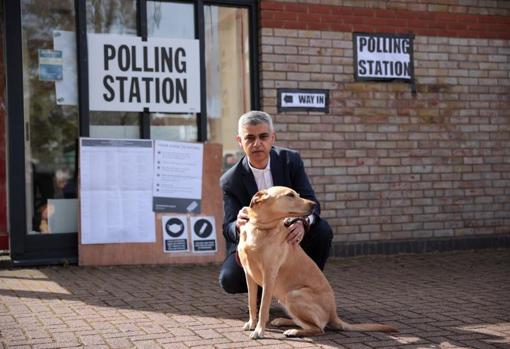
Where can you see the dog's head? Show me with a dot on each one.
(278, 203)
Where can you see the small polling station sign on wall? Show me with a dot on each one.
(129, 74)
(303, 100)
(383, 56)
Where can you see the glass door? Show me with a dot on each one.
(112, 17)
(174, 20)
(45, 131)
(48, 108)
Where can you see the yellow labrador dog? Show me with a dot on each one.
(285, 271)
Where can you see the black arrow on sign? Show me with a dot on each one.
(288, 99)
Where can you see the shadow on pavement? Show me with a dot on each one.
(450, 300)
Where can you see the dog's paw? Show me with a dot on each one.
(257, 334)
(291, 333)
(280, 322)
(249, 326)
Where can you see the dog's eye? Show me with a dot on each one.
(290, 195)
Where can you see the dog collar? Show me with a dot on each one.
(289, 221)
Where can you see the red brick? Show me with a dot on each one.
(373, 20)
(322, 9)
(293, 7)
(272, 5)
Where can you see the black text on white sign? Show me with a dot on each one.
(303, 100)
(128, 74)
(383, 56)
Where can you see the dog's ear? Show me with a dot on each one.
(256, 199)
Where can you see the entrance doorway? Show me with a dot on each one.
(47, 79)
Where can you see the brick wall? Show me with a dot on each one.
(388, 165)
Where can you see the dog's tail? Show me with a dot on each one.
(339, 325)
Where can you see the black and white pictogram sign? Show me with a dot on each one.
(175, 233)
(203, 234)
(303, 100)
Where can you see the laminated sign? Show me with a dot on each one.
(303, 100)
(383, 56)
(129, 74)
(203, 234)
(175, 233)
(50, 65)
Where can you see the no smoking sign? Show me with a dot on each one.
(203, 234)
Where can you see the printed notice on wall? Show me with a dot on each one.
(383, 56)
(129, 74)
(177, 176)
(116, 191)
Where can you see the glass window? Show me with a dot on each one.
(51, 120)
(114, 17)
(227, 55)
(172, 20)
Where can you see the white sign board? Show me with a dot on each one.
(306, 100)
(116, 191)
(383, 56)
(128, 74)
(177, 176)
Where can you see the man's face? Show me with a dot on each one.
(256, 141)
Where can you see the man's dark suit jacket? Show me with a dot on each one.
(239, 186)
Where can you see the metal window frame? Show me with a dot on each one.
(63, 248)
(25, 249)
(81, 36)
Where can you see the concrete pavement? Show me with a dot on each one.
(441, 300)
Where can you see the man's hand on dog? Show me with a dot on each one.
(296, 230)
(242, 218)
(296, 233)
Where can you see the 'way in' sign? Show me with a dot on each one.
(303, 100)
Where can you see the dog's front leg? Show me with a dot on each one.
(265, 303)
(252, 303)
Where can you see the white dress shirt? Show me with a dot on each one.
(263, 177)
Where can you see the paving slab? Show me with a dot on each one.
(436, 300)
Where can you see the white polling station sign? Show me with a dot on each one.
(383, 56)
(129, 74)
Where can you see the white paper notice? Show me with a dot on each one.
(177, 176)
(116, 191)
(67, 88)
